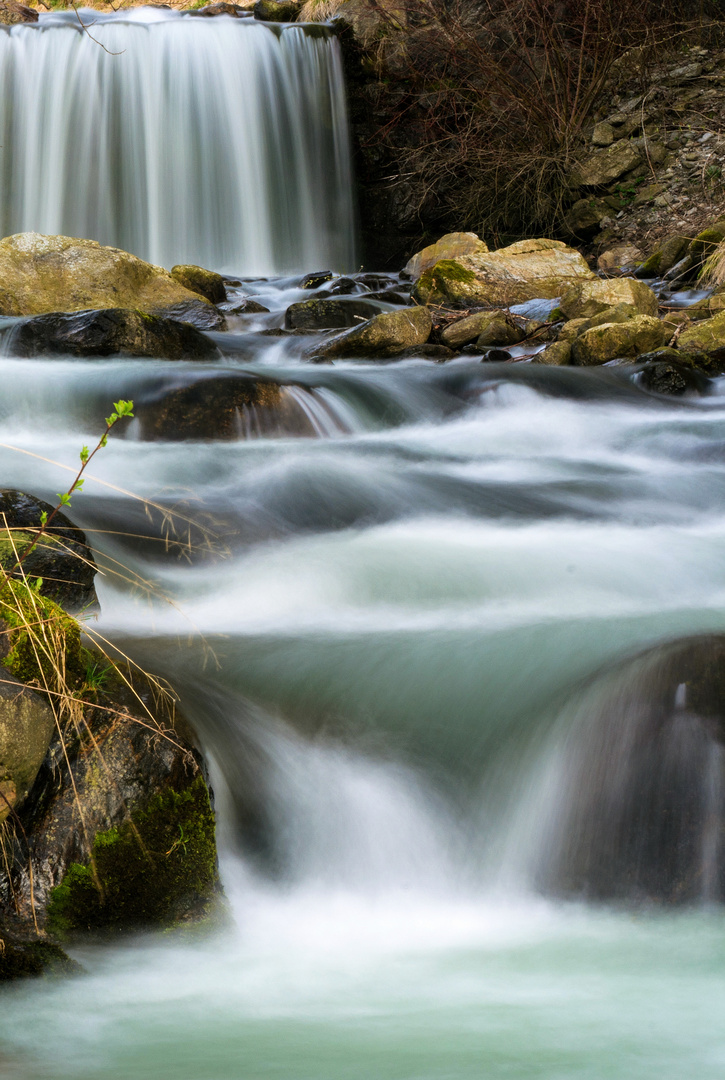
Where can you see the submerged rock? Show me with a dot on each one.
(41, 274)
(672, 378)
(592, 297)
(612, 341)
(523, 271)
(224, 407)
(205, 282)
(328, 314)
(382, 337)
(110, 332)
(450, 246)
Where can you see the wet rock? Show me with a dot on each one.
(24, 954)
(523, 271)
(426, 352)
(381, 337)
(673, 378)
(706, 308)
(110, 332)
(249, 307)
(558, 354)
(606, 166)
(196, 312)
(314, 280)
(42, 274)
(12, 13)
(500, 330)
(328, 314)
(707, 336)
(62, 558)
(450, 246)
(224, 407)
(27, 726)
(624, 340)
(198, 280)
(589, 298)
(222, 8)
(494, 356)
(276, 10)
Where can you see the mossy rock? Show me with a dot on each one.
(205, 282)
(156, 869)
(40, 638)
(434, 284)
(705, 242)
(613, 341)
(24, 956)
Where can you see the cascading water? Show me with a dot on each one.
(221, 142)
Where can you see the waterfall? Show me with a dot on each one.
(221, 142)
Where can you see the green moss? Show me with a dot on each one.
(42, 638)
(556, 315)
(450, 270)
(706, 242)
(156, 869)
(651, 266)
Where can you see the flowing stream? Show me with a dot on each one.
(423, 621)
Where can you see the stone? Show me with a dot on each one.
(527, 270)
(646, 195)
(198, 312)
(428, 351)
(500, 330)
(620, 257)
(249, 307)
(586, 215)
(603, 134)
(606, 166)
(613, 341)
(465, 330)
(590, 297)
(25, 954)
(41, 274)
(276, 10)
(450, 246)
(706, 243)
(205, 282)
(381, 337)
(221, 8)
(557, 354)
(707, 336)
(328, 314)
(706, 308)
(62, 558)
(12, 13)
(315, 279)
(113, 331)
(27, 726)
(662, 260)
(672, 378)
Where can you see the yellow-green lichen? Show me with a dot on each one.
(45, 642)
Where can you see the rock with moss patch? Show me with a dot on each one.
(523, 271)
(40, 643)
(205, 282)
(591, 297)
(27, 726)
(328, 314)
(672, 378)
(467, 329)
(662, 260)
(500, 330)
(707, 336)
(558, 354)
(276, 10)
(613, 341)
(113, 331)
(384, 336)
(41, 274)
(26, 954)
(62, 558)
(450, 246)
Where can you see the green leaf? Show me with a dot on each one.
(44, 517)
(84, 454)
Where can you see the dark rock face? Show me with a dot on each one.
(62, 559)
(221, 8)
(670, 377)
(108, 332)
(205, 282)
(328, 314)
(316, 278)
(25, 954)
(209, 409)
(196, 312)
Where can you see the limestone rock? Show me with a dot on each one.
(27, 726)
(590, 297)
(205, 282)
(606, 166)
(381, 337)
(527, 270)
(108, 332)
(328, 314)
(613, 341)
(12, 12)
(450, 246)
(707, 336)
(465, 330)
(41, 274)
(222, 8)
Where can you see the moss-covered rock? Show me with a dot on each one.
(613, 341)
(41, 274)
(500, 330)
(384, 336)
(523, 271)
(450, 246)
(589, 298)
(276, 10)
(707, 336)
(157, 868)
(25, 954)
(705, 242)
(205, 282)
(40, 643)
(558, 354)
(27, 725)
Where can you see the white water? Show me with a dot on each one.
(221, 142)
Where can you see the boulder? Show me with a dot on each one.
(198, 312)
(527, 270)
(62, 558)
(620, 257)
(109, 332)
(590, 297)
(605, 166)
(276, 10)
(27, 725)
(707, 336)
(603, 134)
(205, 282)
(465, 330)
(221, 8)
(662, 260)
(499, 330)
(586, 215)
(557, 354)
(618, 314)
(316, 278)
(249, 307)
(12, 12)
(612, 341)
(450, 246)
(381, 337)
(672, 378)
(41, 274)
(328, 314)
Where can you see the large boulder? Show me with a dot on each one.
(591, 297)
(467, 329)
(205, 282)
(109, 332)
(11, 12)
(27, 726)
(41, 274)
(499, 330)
(603, 167)
(330, 314)
(62, 558)
(707, 336)
(450, 246)
(621, 340)
(523, 271)
(381, 337)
